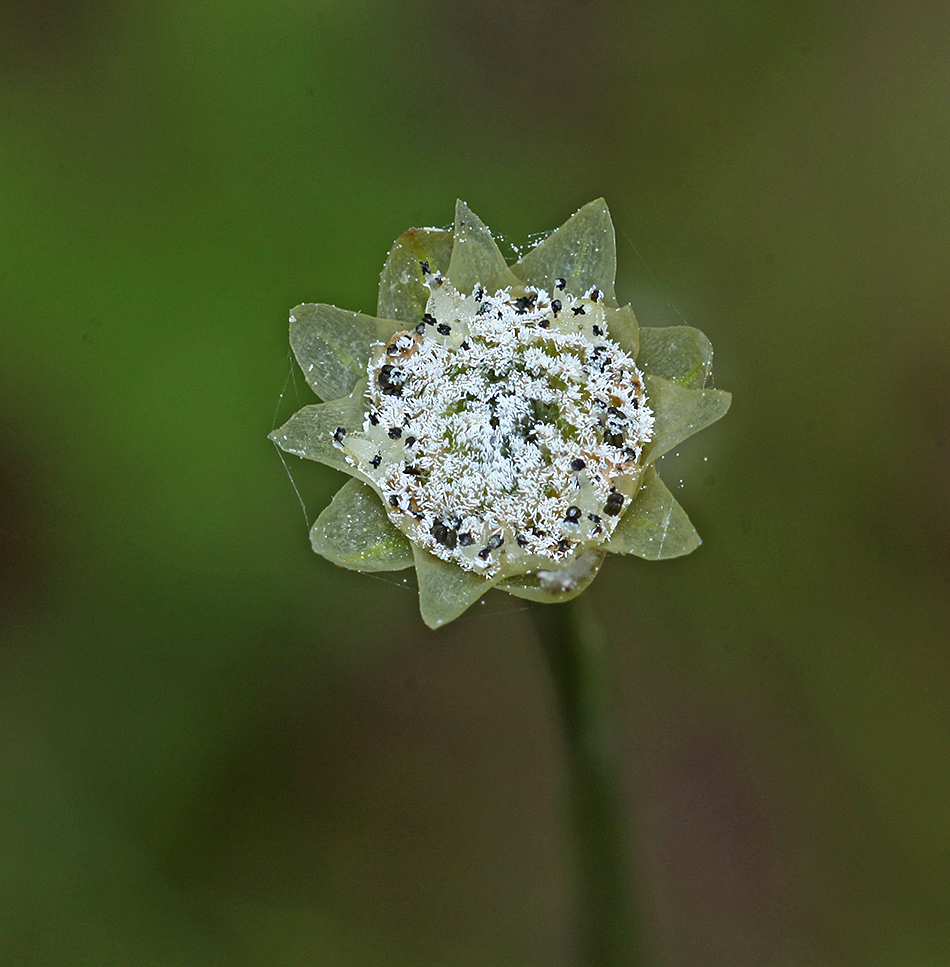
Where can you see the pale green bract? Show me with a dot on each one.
(665, 375)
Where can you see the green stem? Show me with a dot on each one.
(576, 651)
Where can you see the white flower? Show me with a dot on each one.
(501, 423)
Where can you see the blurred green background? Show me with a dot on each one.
(216, 748)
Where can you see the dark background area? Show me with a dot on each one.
(216, 748)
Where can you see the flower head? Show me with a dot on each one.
(501, 423)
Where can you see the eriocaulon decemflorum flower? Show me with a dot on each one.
(501, 423)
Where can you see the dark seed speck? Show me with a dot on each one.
(440, 532)
(391, 380)
(614, 504)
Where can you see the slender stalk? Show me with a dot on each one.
(576, 652)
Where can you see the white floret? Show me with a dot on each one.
(492, 407)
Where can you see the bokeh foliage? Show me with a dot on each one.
(218, 749)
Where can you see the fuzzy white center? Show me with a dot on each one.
(497, 430)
